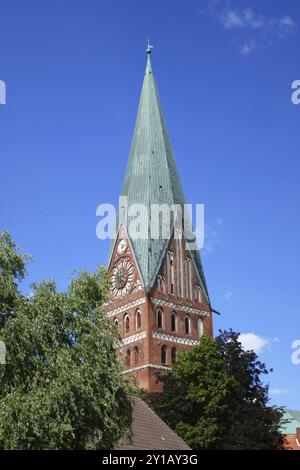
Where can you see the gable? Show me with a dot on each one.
(178, 275)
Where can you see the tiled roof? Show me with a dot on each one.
(149, 432)
(152, 178)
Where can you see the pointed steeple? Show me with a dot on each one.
(152, 177)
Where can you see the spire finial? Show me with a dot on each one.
(149, 47)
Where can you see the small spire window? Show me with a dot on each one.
(198, 294)
(188, 278)
(171, 272)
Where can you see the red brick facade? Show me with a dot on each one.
(292, 441)
(151, 338)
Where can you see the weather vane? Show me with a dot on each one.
(149, 47)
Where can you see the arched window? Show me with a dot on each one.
(198, 294)
(159, 315)
(187, 325)
(188, 278)
(179, 262)
(161, 284)
(126, 323)
(135, 356)
(164, 354)
(173, 355)
(116, 323)
(138, 321)
(158, 283)
(200, 327)
(170, 272)
(173, 321)
(127, 359)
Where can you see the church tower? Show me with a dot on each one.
(159, 297)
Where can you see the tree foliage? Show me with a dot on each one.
(62, 386)
(12, 270)
(214, 397)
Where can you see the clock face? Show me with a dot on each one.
(122, 278)
(122, 246)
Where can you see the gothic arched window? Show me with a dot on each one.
(170, 272)
(161, 284)
(126, 324)
(138, 320)
(173, 355)
(179, 262)
(198, 294)
(200, 327)
(188, 278)
(135, 356)
(187, 325)
(164, 354)
(173, 321)
(159, 316)
(127, 359)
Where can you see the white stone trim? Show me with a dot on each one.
(133, 338)
(123, 308)
(174, 339)
(152, 366)
(179, 307)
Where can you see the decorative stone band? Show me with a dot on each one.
(123, 308)
(179, 307)
(152, 366)
(133, 338)
(174, 339)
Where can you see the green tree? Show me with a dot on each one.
(214, 397)
(62, 386)
(12, 270)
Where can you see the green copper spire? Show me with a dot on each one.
(152, 177)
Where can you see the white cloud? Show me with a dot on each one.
(231, 19)
(278, 391)
(261, 31)
(286, 25)
(211, 239)
(246, 18)
(253, 342)
(248, 47)
(252, 20)
(228, 295)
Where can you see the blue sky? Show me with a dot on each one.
(224, 69)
